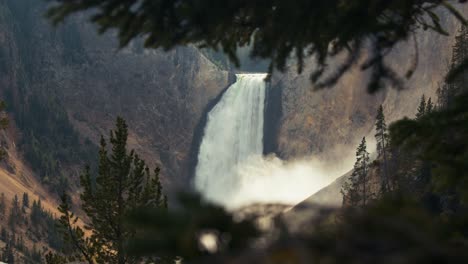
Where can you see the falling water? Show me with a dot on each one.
(233, 135)
(232, 170)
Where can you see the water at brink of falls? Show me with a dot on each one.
(233, 135)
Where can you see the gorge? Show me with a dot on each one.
(232, 169)
(73, 77)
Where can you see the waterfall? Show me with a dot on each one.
(233, 135)
(232, 170)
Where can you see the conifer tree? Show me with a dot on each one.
(72, 233)
(13, 239)
(36, 211)
(3, 234)
(8, 255)
(457, 77)
(51, 258)
(123, 184)
(356, 190)
(3, 125)
(460, 49)
(20, 243)
(25, 200)
(422, 107)
(381, 136)
(2, 205)
(429, 106)
(15, 213)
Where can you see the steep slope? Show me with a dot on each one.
(329, 121)
(65, 87)
(16, 177)
(88, 81)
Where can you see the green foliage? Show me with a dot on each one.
(3, 125)
(381, 134)
(275, 29)
(44, 227)
(404, 225)
(72, 234)
(3, 234)
(441, 136)
(50, 142)
(457, 77)
(8, 255)
(421, 108)
(356, 190)
(388, 231)
(459, 58)
(16, 215)
(430, 106)
(25, 200)
(2, 206)
(51, 258)
(425, 107)
(123, 184)
(382, 138)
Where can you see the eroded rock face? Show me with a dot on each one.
(344, 114)
(318, 122)
(328, 122)
(161, 94)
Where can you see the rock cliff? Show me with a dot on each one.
(162, 94)
(327, 122)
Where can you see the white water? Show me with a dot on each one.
(234, 133)
(231, 168)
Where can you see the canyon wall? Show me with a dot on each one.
(345, 113)
(330, 122)
(162, 94)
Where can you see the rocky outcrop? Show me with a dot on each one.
(328, 122)
(161, 94)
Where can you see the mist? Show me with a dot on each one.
(272, 180)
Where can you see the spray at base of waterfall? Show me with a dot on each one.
(272, 180)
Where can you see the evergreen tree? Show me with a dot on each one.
(25, 200)
(36, 211)
(13, 239)
(15, 213)
(460, 48)
(429, 106)
(356, 190)
(422, 107)
(20, 243)
(8, 255)
(381, 136)
(123, 184)
(457, 76)
(72, 233)
(2, 206)
(3, 125)
(51, 258)
(3, 234)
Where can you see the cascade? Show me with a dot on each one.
(232, 170)
(233, 135)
